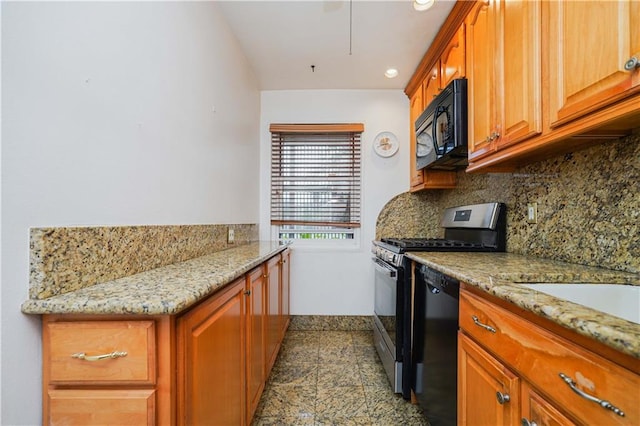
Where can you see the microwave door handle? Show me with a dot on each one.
(434, 128)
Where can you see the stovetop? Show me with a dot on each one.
(477, 228)
(432, 244)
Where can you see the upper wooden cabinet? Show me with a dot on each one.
(505, 74)
(546, 78)
(590, 43)
(447, 65)
(452, 61)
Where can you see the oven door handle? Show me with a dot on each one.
(384, 268)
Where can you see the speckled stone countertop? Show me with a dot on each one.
(166, 290)
(500, 274)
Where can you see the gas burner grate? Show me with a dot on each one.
(417, 244)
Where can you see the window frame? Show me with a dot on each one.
(353, 136)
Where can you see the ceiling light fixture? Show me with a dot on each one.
(422, 5)
(391, 73)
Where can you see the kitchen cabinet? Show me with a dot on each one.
(504, 74)
(207, 365)
(256, 352)
(541, 85)
(481, 377)
(536, 410)
(285, 291)
(590, 43)
(100, 372)
(274, 306)
(450, 65)
(211, 360)
(498, 346)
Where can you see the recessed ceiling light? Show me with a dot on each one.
(421, 5)
(391, 73)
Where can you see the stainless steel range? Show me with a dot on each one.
(479, 227)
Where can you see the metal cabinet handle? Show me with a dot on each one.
(494, 136)
(526, 422)
(604, 404)
(477, 322)
(112, 355)
(247, 292)
(503, 398)
(632, 63)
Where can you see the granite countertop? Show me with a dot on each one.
(500, 274)
(167, 290)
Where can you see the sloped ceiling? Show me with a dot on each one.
(350, 44)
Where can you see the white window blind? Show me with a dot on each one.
(315, 179)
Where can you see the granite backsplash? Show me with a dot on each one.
(66, 259)
(588, 206)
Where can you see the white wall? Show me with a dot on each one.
(108, 118)
(340, 281)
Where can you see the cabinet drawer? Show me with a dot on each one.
(540, 357)
(133, 340)
(102, 407)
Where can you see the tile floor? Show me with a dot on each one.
(331, 378)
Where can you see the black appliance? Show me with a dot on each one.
(441, 130)
(435, 318)
(392, 331)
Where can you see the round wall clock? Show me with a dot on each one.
(385, 144)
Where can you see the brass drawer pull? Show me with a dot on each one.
(477, 322)
(601, 402)
(112, 355)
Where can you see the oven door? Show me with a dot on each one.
(386, 308)
(389, 327)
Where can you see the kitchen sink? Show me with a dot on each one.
(619, 300)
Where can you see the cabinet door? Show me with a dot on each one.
(273, 311)
(101, 407)
(480, 49)
(589, 44)
(480, 378)
(452, 64)
(415, 109)
(211, 360)
(256, 323)
(431, 86)
(537, 410)
(519, 74)
(285, 291)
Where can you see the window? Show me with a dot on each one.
(315, 180)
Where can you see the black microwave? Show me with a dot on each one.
(441, 130)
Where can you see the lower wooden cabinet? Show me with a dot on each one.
(211, 360)
(542, 373)
(536, 410)
(256, 326)
(491, 391)
(207, 365)
(102, 407)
